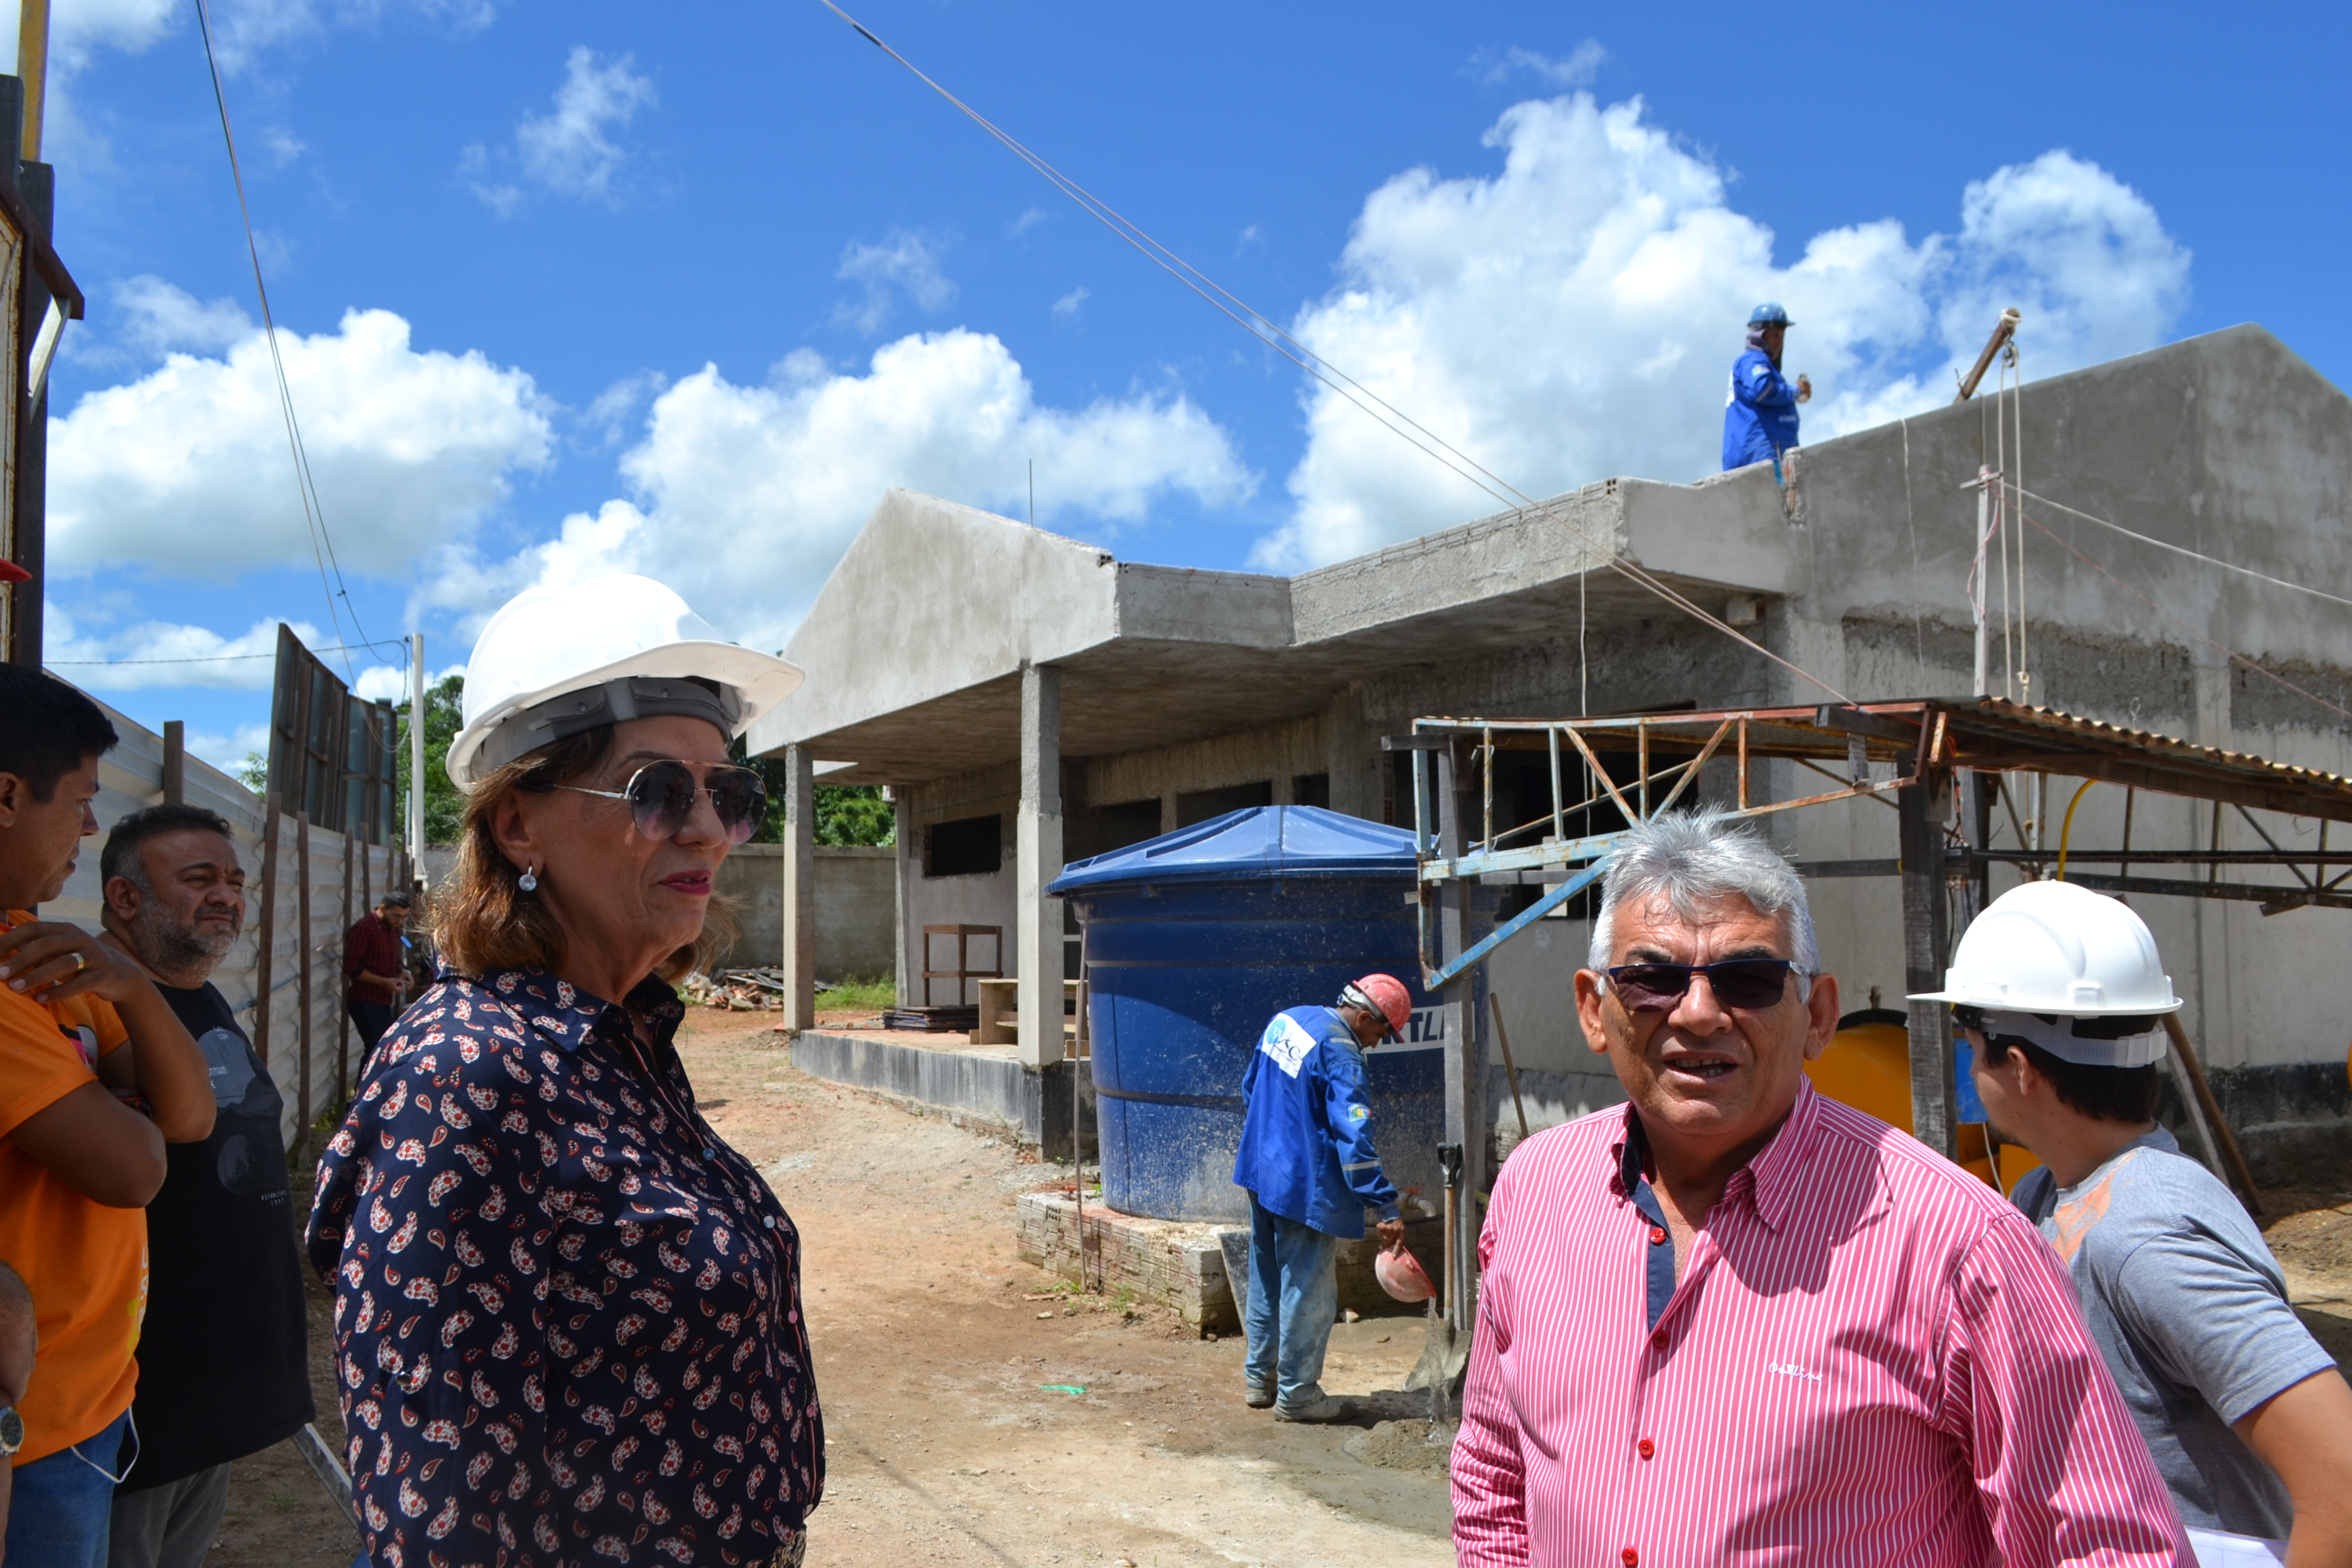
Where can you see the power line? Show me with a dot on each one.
(230, 658)
(2178, 550)
(322, 544)
(1268, 332)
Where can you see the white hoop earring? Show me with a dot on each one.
(529, 881)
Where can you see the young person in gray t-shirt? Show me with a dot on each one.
(2061, 995)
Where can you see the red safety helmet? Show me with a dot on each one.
(1387, 996)
(1401, 1275)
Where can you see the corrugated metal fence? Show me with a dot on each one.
(305, 895)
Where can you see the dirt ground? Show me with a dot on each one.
(951, 1433)
(975, 1414)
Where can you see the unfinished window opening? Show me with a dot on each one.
(968, 847)
(1311, 789)
(1201, 805)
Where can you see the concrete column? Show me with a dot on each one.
(909, 945)
(1927, 948)
(800, 890)
(1038, 962)
(1168, 812)
(1352, 756)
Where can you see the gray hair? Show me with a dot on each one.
(1690, 860)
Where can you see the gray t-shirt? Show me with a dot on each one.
(2190, 1312)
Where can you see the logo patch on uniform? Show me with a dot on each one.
(1286, 1043)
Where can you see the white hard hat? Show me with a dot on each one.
(2056, 950)
(555, 661)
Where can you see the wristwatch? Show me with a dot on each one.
(12, 1431)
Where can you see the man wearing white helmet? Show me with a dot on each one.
(2062, 995)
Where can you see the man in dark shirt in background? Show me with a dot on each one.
(377, 965)
(224, 1363)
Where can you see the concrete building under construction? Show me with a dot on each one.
(1033, 699)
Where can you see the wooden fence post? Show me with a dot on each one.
(302, 971)
(266, 931)
(343, 992)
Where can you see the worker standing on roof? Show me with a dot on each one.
(1308, 1160)
(2062, 994)
(1759, 418)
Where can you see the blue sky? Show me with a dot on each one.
(681, 289)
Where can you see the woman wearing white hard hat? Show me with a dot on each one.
(568, 1315)
(2062, 994)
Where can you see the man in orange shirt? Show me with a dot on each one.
(76, 1163)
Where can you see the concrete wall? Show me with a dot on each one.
(856, 907)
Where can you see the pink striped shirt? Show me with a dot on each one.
(1869, 1358)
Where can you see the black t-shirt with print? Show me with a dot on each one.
(224, 1358)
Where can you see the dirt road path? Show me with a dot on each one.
(952, 1434)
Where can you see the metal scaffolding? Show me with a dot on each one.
(1945, 760)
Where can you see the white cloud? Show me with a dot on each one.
(570, 149)
(744, 497)
(1028, 220)
(162, 653)
(1068, 305)
(186, 469)
(1577, 69)
(907, 257)
(1575, 315)
(158, 317)
(227, 752)
(389, 682)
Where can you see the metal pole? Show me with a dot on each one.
(1926, 941)
(416, 746)
(1977, 600)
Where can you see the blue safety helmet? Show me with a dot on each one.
(1770, 315)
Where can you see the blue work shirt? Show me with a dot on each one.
(1306, 1136)
(1760, 417)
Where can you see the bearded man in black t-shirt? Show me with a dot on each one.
(223, 1362)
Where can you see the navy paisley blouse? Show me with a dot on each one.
(567, 1315)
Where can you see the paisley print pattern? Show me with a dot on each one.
(567, 1315)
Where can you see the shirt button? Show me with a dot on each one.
(711, 1153)
(1657, 1235)
(1658, 1340)
(770, 1221)
(1646, 1448)
(1631, 1557)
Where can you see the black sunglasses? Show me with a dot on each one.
(1750, 982)
(661, 798)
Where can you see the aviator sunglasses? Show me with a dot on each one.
(661, 798)
(1750, 982)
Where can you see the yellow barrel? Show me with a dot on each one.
(1868, 1067)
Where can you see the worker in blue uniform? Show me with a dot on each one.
(1308, 1160)
(1759, 418)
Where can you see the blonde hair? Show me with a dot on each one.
(482, 919)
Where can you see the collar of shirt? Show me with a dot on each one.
(1767, 1181)
(568, 1017)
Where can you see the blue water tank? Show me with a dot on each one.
(1193, 941)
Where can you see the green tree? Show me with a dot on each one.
(444, 807)
(253, 773)
(855, 813)
(846, 814)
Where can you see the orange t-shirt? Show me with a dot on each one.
(86, 1264)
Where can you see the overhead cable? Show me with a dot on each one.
(322, 544)
(1268, 332)
(2178, 550)
(231, 657)
(2232, 655)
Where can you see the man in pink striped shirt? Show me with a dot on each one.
(1733, 1321)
